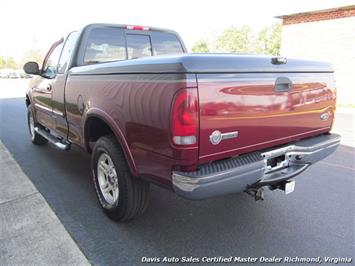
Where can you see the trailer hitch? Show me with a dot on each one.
(257, 190)
(256, 193)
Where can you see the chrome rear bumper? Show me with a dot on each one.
(237, 174)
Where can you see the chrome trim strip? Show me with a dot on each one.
(229, 135)
(58, 112)
(43, 107)
(216, 137)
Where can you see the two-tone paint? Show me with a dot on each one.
(236, 93)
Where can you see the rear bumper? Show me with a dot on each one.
(237, 174)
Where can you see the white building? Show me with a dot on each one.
(327, 35)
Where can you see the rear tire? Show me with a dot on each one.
(35, 137)
(121, 196)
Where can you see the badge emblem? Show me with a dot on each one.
(324, 116)
(216, 137)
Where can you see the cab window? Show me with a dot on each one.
(104, 45)
(49, 68)
(138, 46)
(67, 52)
(165, 43)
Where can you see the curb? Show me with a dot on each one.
(30, 232)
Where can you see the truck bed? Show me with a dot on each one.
(238, 93)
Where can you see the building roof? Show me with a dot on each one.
(318, 15)
(317, 11)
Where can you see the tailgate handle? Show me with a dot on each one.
(283, 84)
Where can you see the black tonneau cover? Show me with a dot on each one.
(204, 63)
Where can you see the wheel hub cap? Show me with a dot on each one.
(107, 178)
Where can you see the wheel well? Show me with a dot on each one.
(94, 129)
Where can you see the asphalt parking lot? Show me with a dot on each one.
(317, 219)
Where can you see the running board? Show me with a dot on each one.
(58, 143)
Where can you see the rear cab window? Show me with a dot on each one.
(105, 44)
(114, 43)
(138, 45)
(165, 43)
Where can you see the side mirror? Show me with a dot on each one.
(31, 68)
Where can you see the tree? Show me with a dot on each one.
(243, 40)
(200, 47)
(2, 62)
(7, 62)
(236, 40)
(269, 39)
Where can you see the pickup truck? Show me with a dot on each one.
(201, 125)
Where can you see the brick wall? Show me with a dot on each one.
(327, 40)
(318, 16)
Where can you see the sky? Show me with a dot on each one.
(38, 23)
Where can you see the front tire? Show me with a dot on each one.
(35, 137)
(121, 196)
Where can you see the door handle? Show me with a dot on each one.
(283, 84)
(49, 87)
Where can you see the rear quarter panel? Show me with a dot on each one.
(139, 106)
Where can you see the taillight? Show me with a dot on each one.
(185, 117)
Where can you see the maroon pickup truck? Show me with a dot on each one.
(201, 125)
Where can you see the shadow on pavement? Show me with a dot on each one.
(313, 221)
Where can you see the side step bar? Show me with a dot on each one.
(58, 143)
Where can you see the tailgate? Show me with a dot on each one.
(243, 112)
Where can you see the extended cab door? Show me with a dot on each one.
(43, 86)
(58, 90)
